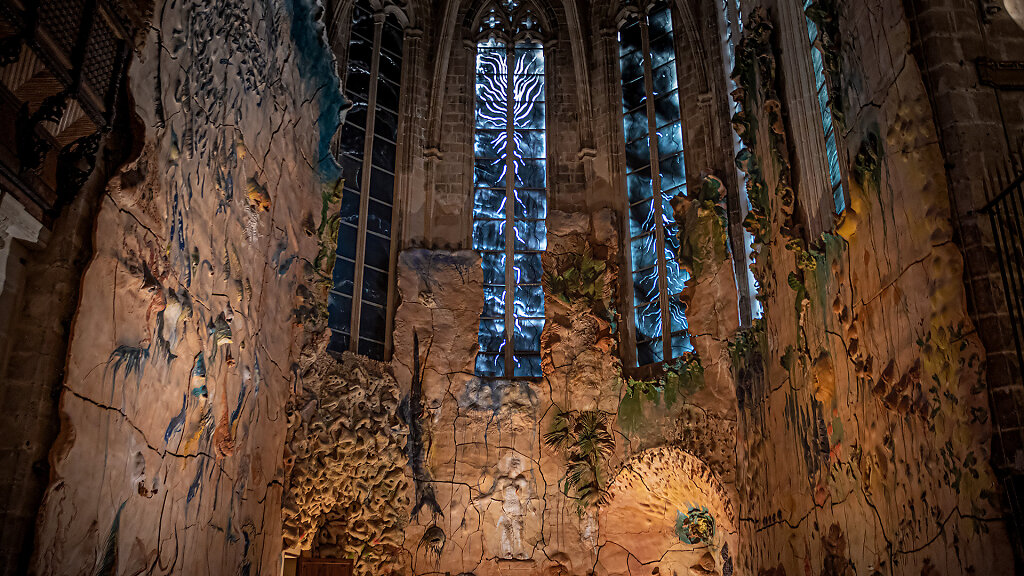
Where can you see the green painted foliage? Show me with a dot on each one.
(579, 278)
(750, 343)
(680, 380)
(585, 439)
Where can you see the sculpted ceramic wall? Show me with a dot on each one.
(191, 320)
(490, 494)
(864, 422)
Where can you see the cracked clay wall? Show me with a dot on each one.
(865, 426)
(203, 290)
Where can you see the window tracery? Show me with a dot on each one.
(827, 121)
(360, 296)
(655, 173)
(510, 187)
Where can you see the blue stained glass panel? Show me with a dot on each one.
(492, 335)
(490, 116)
(378, 251)
(670, 141)
(494, 302)
(491, 59)
(494, 267)
(339, 311)
(529, 144)
(526, 334)
(491, 88)
(375, 286)
(371, 348)
(645, 253)
(635, 124)
(340, 342)
(672, 171)
(662, 50)
(671, 235)
(677, 314)
(528, 268)
(529, 300)
(645, 286)
(648, 321)
(350, 208)
(529, 59)
(378, 218)
(660, 23)
(638, 154)
(665, 79)
(649, 352)
(530, 173)
(382, 185)
(528, 115)
(489, 173)
(634, 95)
(387, 94)
(371, 318)
(527, 366)
(344, 276)
(490, 365)
(639, 186)
(531, 235)
(347, 241)
(489, 143)
(530, 203)
(527, 89)
(675, 277)
(489, 234)
(641, 217)
(489, 203)
(666, 108)
(681, 344)
(630, 38)
(632, 67)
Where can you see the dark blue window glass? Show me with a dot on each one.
(509, 206)
(824, 106)
(359, 296)
(653, 146)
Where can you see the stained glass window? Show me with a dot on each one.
(732, 14)
(510, 200)
(359, 300)
(824, 105)
(655, 173)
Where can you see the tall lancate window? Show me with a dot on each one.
(824, 105)
(732, 17)
(358, 303)
(655, 173)
(510, 189)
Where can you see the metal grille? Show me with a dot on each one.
(1006, 214)
(61, 20)
(101, 55)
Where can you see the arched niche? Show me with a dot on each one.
(667, 513)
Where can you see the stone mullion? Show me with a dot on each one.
(659, 232)
(402, 169)
(616, 141)
(364, 198)
(510, 236)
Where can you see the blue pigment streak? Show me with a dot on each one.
(317, 64)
